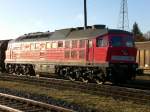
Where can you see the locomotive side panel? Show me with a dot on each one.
(44, 55)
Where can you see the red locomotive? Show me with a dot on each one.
(95, 54)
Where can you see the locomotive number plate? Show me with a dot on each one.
(122, 58)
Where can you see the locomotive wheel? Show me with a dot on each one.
(61, 73)
(18, 70)
(77, 75)
(10, 69)
(98, 81)
(71, 78)
(100, 78)
(26, 71)
(84, 80)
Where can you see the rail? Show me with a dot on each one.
(125, 93)
(11, 103)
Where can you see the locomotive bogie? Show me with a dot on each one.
(81, 73)
(20, 69)
(121, 72)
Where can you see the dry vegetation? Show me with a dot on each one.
(145, 76)
(107, 104)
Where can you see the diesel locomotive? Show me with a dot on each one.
(96, 54)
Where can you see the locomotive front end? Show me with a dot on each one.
(122, 57)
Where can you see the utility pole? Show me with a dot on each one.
(123, 16)
(85, 15)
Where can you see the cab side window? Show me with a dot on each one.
(82, 43)
(60, 44)
(101, 42)
(67, 44)
(90, 44)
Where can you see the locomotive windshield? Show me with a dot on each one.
(129, 42)
(117, 41)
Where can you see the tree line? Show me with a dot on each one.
(138, 35)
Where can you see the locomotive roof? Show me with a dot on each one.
(70, 33)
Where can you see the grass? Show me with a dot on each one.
(107, 104)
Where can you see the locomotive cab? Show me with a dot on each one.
(122, 57)
(122, 49)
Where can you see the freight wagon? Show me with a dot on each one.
(143, 55)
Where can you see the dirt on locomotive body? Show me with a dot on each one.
(96, 54)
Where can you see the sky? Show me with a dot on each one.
(18, 17)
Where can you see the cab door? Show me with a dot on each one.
(101, 50)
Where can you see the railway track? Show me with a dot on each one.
(9, 103)
(137, 84)
(124, 93)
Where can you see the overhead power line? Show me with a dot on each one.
(123, 16)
